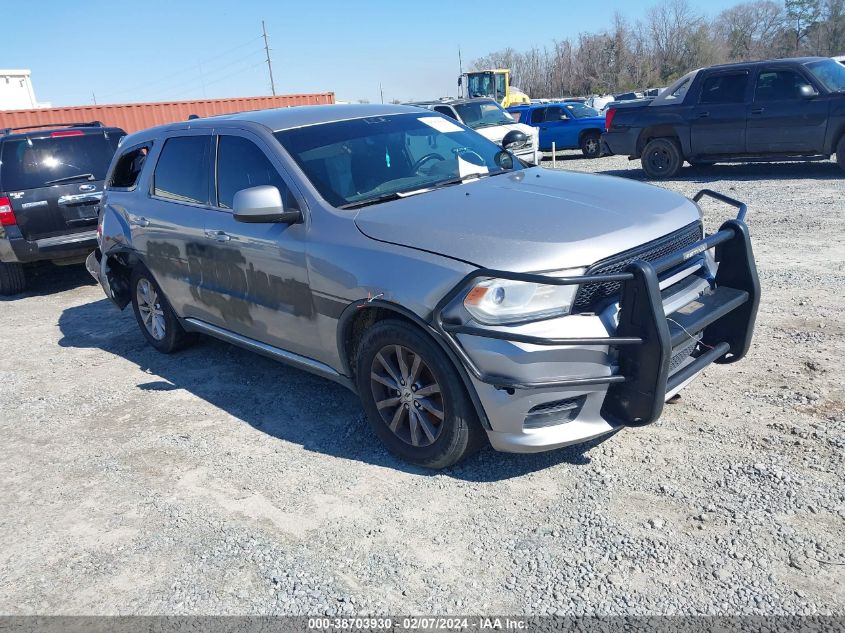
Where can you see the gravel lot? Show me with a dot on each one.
(218, 482)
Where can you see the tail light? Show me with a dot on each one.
(62, 133)
(608, 118)
(7, 216)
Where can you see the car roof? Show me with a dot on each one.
(762, 62)
(300, 116)
(278, 119)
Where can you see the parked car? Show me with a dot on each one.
(489, 119)
(569, 125)
(51, 180)
(599, 102)
(414, 261)
(785, 109)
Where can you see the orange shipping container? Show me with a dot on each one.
(137, 116)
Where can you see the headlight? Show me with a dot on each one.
(499, 301)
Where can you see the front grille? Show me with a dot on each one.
(592, 294)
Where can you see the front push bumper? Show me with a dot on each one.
(633, 390)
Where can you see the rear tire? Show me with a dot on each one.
(840, 152)
(156, 319)
(591, 145)
(12, 278)
(431, 422)
(662, 158)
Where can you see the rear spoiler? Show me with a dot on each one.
(9, 130)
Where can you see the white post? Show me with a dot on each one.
(554, 156)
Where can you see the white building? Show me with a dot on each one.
(16, 91)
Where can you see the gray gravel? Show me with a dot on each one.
(217, 482)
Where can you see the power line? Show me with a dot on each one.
(201, 79)
(182, 71)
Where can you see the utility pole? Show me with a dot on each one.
(381, 92)
(94, 97)
(269, 65)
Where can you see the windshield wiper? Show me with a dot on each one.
(69, 178)
(493, 124)
(385, 197)
(468, 177)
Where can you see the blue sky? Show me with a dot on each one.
(152, 50)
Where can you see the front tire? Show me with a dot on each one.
(662, 158)
(12, 278)
(156, 319)
(840, 152)
(591, 145)
(414, 398)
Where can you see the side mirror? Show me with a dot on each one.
(513, 138)
(262, 204)
(807, 91)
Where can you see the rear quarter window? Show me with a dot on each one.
(129, 167)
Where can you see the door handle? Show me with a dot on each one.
(757, 110)
(139, 221)
(219, 236)
(703, 115)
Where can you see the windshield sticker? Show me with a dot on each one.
(440, 124)
(466, 168)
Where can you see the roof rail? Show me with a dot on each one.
(9, 130)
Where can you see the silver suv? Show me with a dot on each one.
(405, 256)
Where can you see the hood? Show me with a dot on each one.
(497, 133)
(532, 220)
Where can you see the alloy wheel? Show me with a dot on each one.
(149, 306)
(407, 395)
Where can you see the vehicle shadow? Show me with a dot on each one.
(823, 170)
(283, 402)
(46, 279)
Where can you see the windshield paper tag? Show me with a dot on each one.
(440, 124)
(466, 168)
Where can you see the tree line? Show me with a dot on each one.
(672, 39)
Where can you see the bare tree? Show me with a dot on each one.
(748, 30)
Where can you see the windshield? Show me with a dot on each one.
(358, 160)
(829, 73)
(579, 110)
(30, 163)
(486, 84)
(480, 114)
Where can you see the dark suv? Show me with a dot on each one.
(782, 109)
(51, 181)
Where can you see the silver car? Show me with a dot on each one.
(462, 296)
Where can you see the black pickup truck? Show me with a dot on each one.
(784, 109)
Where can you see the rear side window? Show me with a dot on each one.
(128, 168)
(30, 163)
(182, 170)
(724, 88)
(241, 165)
(779, 85)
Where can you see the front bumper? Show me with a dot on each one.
(73, 246)
(630, 389)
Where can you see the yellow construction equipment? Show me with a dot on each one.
(495, 84)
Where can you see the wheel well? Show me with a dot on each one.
(584, 133)
(353, 329)
(649, 134)
(119, 272)
(357, 317)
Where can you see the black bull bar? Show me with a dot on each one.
(644, 337)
